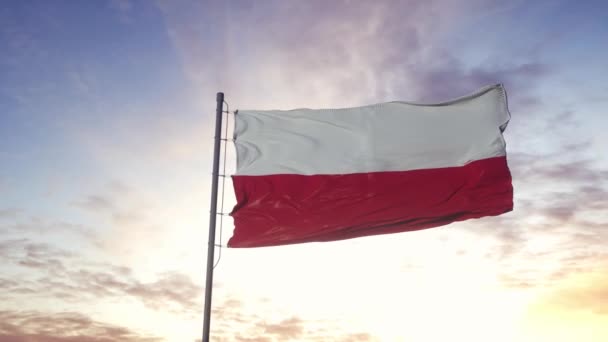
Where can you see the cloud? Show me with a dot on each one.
(17, 38)
(452, 79)
(63, 275)
(124, 10)
(28, 326)
(29, 226)
(123, 6)
(568, 190)
(290, 328)
(127, 220)
(232, 315)
(9, 213)
(95, 203)
(17, 250)
(586, 291)
(349, 53)
(579, 171)
(559, 221)
(172, 292)
(119, 202)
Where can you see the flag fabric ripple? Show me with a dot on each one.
(309, 175)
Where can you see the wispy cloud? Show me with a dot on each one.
(120, 209)
(123, 8)
(26, 326)
(62, 275)
(96, 203)
(559, 220)
(590, 295)
(20, 224)
(452, 79)
(231, 315)
(290, 328)
(353, 52)
(581, 294)
(9, 213)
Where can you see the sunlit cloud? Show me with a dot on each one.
(10, 213)
(25, 326)
(62, 275)
(574, 309)
(236, 322)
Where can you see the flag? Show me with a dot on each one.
(309, 175)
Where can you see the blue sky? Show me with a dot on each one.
(106, 119)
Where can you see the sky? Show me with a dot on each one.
(106, 133)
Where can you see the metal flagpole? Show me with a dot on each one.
(213, 215)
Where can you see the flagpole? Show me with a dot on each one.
(213, 215)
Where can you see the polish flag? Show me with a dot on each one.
(308, 175)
